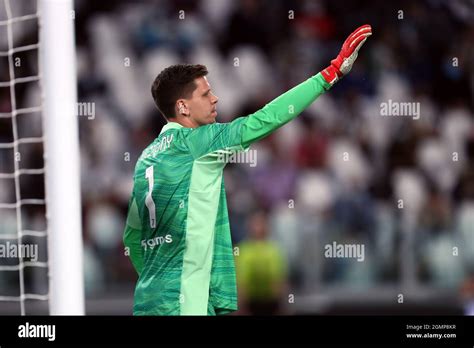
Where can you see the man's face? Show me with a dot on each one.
(202, 104)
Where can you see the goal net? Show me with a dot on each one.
(40, 226)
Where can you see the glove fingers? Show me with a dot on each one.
(361, 38)
(360, 44)
(348, 54)
(362, 29)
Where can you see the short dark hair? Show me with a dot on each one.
(174, 82)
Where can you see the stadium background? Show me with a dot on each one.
(304, 192)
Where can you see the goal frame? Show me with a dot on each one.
(62, 157)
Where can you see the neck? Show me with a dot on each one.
(186, 122)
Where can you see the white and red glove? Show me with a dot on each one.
(346, 58)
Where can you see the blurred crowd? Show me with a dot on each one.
(341, 172)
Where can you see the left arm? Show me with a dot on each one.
(132, 236)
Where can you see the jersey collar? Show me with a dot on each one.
(170, 125)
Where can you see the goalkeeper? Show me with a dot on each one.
(177, 230)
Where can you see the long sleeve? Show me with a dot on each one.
(132, 236)
(282, 109)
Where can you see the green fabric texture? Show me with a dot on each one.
(187, 257)
(132, 236)
(177, 231)
(283, 109)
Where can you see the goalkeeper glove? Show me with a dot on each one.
(347, 56)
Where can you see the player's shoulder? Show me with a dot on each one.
(170, 141)
(207, 129)
(204, 127)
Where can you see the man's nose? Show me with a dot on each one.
(215, 99)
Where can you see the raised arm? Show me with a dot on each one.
(243, 131)
(290, 104)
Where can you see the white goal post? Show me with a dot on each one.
(61, 146)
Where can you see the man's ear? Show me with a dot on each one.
(182, 107)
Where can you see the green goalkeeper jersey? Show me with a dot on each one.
(177, 231)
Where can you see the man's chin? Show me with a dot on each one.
(212, 118)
